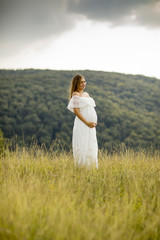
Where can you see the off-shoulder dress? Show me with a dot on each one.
(84, 140)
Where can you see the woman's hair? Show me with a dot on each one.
(76, 81)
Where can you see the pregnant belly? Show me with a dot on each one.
(90, 114)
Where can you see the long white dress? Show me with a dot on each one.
(84, 140)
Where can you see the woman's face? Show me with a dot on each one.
(82, 84)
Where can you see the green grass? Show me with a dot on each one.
(44, 197)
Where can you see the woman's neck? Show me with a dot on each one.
(80, 92)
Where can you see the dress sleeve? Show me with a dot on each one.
(76, 102)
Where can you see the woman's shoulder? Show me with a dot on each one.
(75, 94)
(86, 94)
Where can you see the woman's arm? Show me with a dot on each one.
(80, 116)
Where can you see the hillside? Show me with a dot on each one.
(33, 105)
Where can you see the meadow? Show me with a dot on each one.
(44, 196)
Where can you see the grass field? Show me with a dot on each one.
(44, 197)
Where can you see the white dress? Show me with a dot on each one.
(84, 140)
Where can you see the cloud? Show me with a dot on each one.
(24, 22)
(119, 12)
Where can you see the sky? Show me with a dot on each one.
(109, 35)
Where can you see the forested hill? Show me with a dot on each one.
(33, 105)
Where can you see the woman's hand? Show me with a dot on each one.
(91, 124)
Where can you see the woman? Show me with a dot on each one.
(84, 140)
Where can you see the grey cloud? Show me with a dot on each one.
(118, 12)
(23, 22)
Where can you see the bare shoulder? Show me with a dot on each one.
(75, 94)
(86, 94)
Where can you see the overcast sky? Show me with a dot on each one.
(109, 35)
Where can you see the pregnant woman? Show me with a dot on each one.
(84, 140)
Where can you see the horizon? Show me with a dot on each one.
(74, 70)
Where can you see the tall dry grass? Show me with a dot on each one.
(44, 197)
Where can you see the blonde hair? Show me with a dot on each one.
(76, 81)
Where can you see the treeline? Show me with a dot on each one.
(33, 106)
